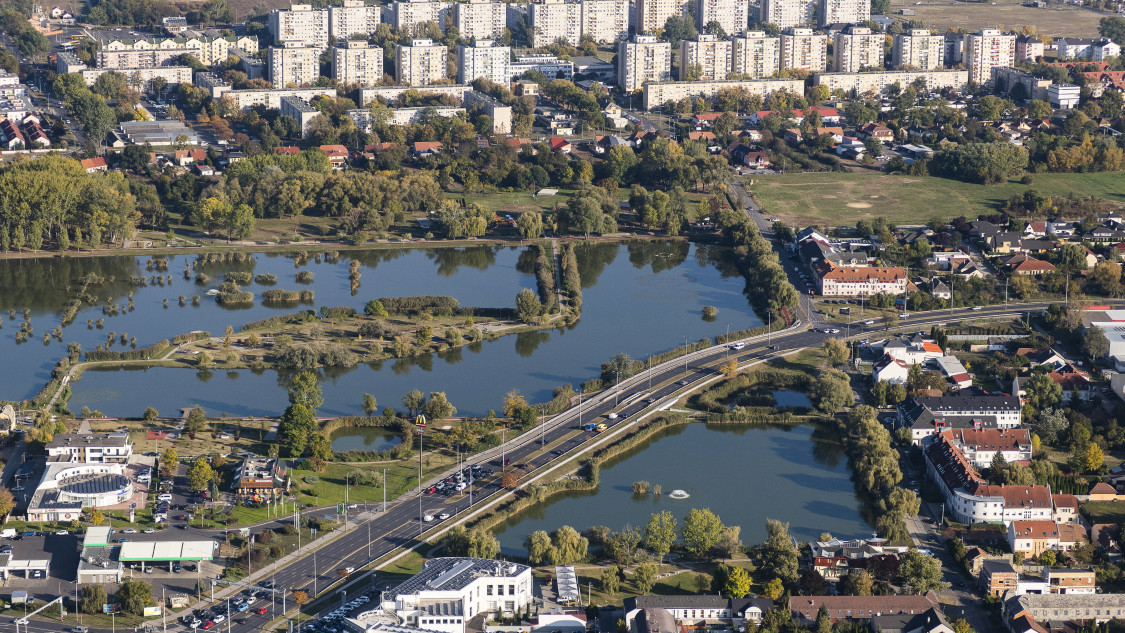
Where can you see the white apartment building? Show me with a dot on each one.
(1086, 48)
(355, 16)
(987, 49)
(801, 48)
(421, 63)
(732, 15)
(843, 12)
(449, 592)
(642, 60)
(483, 60)
(140, 78)
(552, 67)
(357, 62)
(301, 25)
(270, 97)
(857, 48)
(605, 20)
(658, 93)
(880, 81)
(652, 14)
(390, 93)
(712, 55)
(918, 48)
(294, 65)
(554, 20)
(755, 55)
(406, 14)
(482, 19)
(784, 13)
(149, 53)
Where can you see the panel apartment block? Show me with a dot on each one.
(483, 60)
(985, 50)
(408, 14)
(843, 12)
(918, 48)
(482, 19)
(732, 15)
(148, 53)
(294, 65)
(642, 60)
(606, 21)
(354, 17)
(801, 48)
(658, 93)
(755, 55)
(301, 25)
(857, 48)
(421, 63)
(784, 13)
(712, 55)
(357, 62)
(554, 20)
(879, 82)
(652, 14)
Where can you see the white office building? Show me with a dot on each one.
(357, 62)
(300, 25)
(732, 15)
(480, 19)
(421, 63)
(708, 55)
(483, 60)
(856, 48)
(642, 60)
(755, 55)
(919, 49)
(803, 49)
(985, 50)
(449, 592)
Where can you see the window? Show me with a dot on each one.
(489, 590)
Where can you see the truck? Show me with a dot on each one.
(589, 426)
(8, 533)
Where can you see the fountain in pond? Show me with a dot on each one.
(678, 494)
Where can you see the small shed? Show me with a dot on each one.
(19, 597)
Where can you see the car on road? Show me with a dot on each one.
(261, 611)
(428, 518)
(150, 531)
(682, 382)
(443, 516)
(129, 531)
(869, 322)
(976, 307)
(612, 416)
(62, 532)
(904, 315)
(738, 345)
(832, 330)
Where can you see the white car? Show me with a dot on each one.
(129, 531)
(774, 219)
(976, 307)
(738, 345)
(150, 531)
(219, 618)
(443, 516)
(612, 416)
(62, 532)
(832, 331)
(428, 518)
(869, 322)
(904, 315)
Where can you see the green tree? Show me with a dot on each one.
(1093, 458)
(679, 27)
(438, 407)
(483, 544)
(319, 446)
(196, 420)
(134, 596)
(611, 580)
(530, 225)
(413, 401)
(539, 546)
(1095, 343)
(644, 577)
(660, 534)
(856, 583)
(961, 625)
(1048, 558)
(168, 462)
(701, 531)
(831, 391)
(7, 501)
(1042, 392)
(295, 428)
(304, 389)
(200, 475)
(774, 589)
(150, 414)
(836, 352)
(370, 405)
(374, 308)
(778, 553)
(528, 307)
(921, 572)
(1113, 27)
(568, 546)
(737, 584)
(93, 599)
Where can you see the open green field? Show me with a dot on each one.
(842, 198)
(1055, 21)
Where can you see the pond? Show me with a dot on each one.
(796, 474)
(364, 438)
(638, 297)
(793, 399)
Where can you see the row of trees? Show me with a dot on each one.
(876, 473)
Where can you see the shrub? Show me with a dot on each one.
(337, 312)
(277, 295)
(241, 278)
(266, 278)
(305, 277)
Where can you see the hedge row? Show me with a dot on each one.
(156, 350)
(280, 319)
(426, 302)
(278, 295)
(190, 337)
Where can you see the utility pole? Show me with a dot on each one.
(384, 490)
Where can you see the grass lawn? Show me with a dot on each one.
(842, 198)
(1055, 21)
(507, 202)
(1105, 511)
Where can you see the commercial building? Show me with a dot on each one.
(480, 19)
(980, 445)
(705, 58)
(732, 15)
(925, 416)
(861, 608)
(1063, 609)
(1064, 96)
(605, 21)
(294, 65)
(300, 25)
(406, 14)
(260, 478)
(157, 132)
(755, 55)
(656, 94)
(918, 49)
(652, 14)
(642, 60)
(859, 281)
(141, 78)
(1112, 324)
(67, 63)
(842, 12)
(856, 48)
(300, 110)
(879, 82)
(985, 50)
(486, 59)
(784, 13)
(98, 562)
(555, 20)
(549, 65)
(354, 17)
(90, 448)
(449, 592)
(83, 470)
(803, 49)
(420, 64)
(152, 552)
(147, 53)
(357, 62)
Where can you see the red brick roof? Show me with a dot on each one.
(1102, 488)
(1065, 501)
(857, 274)
(1031, 264)
(287, 150)
(991, 439)
(93, 163)
(1035, 529)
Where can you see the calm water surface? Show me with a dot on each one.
(744, 474)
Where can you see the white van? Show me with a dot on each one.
(164, 497)
(8, 533)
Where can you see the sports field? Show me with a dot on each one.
(839, 199)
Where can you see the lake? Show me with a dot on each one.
(639, 298)
(744, 474)
(364, 438)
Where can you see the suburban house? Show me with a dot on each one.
(1066, 508)
(1032, 538)
(877, 131)
(956, 373)
(859, 281)
(92, 165)
(890, 369)
(914, 351)
(423, 149)
(835, 559)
